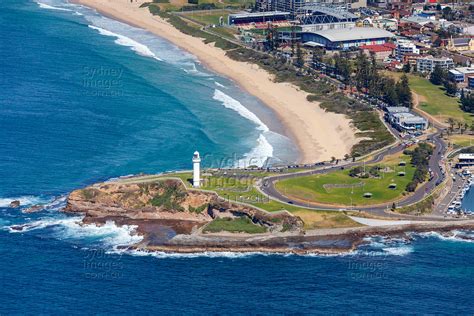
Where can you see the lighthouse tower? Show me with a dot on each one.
(196, 170)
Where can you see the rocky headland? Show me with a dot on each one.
(173, 218)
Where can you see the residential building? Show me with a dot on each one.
(428, 64)
(405, 47)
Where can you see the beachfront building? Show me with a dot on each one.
(196, 170)
(403, 120)
(428, 64)
(347, 39)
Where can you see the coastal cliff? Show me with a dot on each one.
(164, 210)
(173, 218)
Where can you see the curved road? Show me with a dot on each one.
(267, 185)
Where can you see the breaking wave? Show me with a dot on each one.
(72, 229)
(26, 200)
(263, 150)
(128, 42)
(231, 103)
(50, 7)
(454, 236)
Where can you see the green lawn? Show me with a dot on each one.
(462, 140)
(327, 188)
(244, 191)
(208, 17)
(236, 225)
(434, 101)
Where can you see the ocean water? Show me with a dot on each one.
(84, 98)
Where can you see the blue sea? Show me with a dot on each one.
(84, 98)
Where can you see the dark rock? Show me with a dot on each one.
(33, 209)
(15, 204)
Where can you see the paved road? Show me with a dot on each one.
(267, 185)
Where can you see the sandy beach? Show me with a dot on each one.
(318, 134)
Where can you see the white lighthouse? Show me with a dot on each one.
(196, 170)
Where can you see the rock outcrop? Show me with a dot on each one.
(169, 201)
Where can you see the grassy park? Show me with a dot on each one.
(243, 190)
(461, 140)
(433, 99)
(209, 16)
(339, 188)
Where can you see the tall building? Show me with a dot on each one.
(428, 64)
(405, 47)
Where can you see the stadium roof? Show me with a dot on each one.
(335, 12)
(355, 33)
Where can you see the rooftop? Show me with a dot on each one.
(397, 109)
(462, 70)
(468, 156)
(387, 47)
(354, 33)
(256, 14)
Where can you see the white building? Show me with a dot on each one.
(196, 170)
(405, 47)
(428, 64)
(465, 160)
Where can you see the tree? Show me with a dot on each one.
(406, 68)
(467, 102)
(451, 88)
(318, 54)
(343, 67)
(299, 55)
(403, 91)
(438, 76)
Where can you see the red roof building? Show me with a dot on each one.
(381, 51)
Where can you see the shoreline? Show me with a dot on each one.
(319, 135)
(336, 241)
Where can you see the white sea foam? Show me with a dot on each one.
(220, 85)
(50, 7)
(128, 42)
(207, 254)
(71, 228)
(258, 155)
(26, 200)
(454, 236)
(263, 150)
(231, 103)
